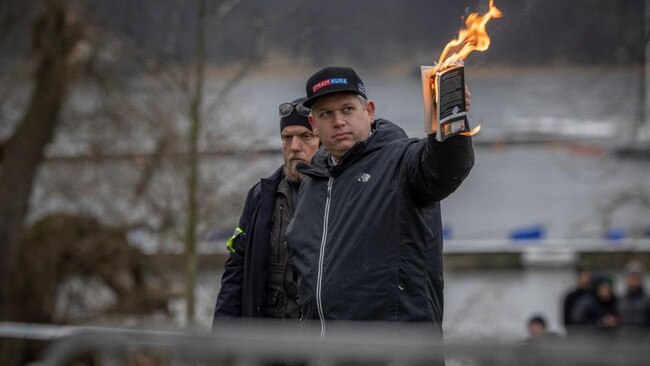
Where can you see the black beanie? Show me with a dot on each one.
(295, 119)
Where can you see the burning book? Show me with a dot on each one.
(443, 85)
(444, 101)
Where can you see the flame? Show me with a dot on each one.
(473, 37)
(473, 132)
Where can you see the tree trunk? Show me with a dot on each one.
(54, 38)
(196, 106)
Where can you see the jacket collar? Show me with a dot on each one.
(274, 178)
(383, 133)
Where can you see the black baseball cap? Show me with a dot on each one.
(333, 80)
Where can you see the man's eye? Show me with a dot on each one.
(325, 114)
(348, 110)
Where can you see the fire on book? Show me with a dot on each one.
(472, 37)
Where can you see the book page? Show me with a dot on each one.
(430, 114)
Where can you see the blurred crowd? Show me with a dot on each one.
(593, 307)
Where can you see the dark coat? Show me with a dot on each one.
(634, 308)
(243, 285)
(570, 301)
(380, 255)
(590, 310)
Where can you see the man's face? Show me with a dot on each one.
(633, 281)
(536, 329)
(299, 144)
(340, 120)
(584, 279)
(604, 291)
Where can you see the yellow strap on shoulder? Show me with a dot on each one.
(231, 241)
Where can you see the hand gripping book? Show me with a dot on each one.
(443, 94)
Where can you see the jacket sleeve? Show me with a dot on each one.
(435, 169)
(229, 300)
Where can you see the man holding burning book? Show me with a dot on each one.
(366, 238)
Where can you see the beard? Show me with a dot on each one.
(291, 173)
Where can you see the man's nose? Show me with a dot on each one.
(338, 119)
(295, 144)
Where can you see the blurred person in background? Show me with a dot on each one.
(537, 335)
(599, 309)
(537, 329)
(634, 305)
(583, 288)
(536, 326)
(366, 238)
(257, 281)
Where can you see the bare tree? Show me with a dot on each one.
(56, 34)
(196, 105)
(196, 122)
(176, 98)
(135, 140)
(639, 196)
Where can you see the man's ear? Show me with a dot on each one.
(312, 124)
(370, 110)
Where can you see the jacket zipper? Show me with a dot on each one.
(321, 258)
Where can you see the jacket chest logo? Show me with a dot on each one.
(363, 178)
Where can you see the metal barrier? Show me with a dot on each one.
(268, 343)
(236, 343)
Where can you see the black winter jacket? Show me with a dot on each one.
(243, 285)
(366, 236)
